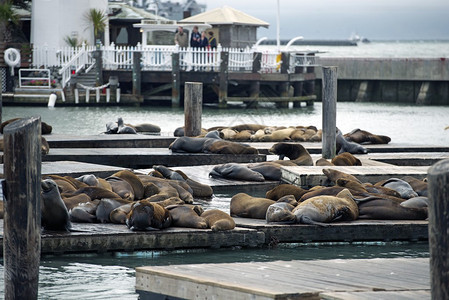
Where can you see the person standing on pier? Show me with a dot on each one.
(195, 38)
(181, 38)
(212, 40)
(204, 42)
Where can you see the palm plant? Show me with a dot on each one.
(7, 15)
(98, 19)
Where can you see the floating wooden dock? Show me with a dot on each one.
(394, 278)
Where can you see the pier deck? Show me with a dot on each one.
(298, 279)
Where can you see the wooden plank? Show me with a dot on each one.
(109, 141)
(282, 280)
(358, 230)
(145, 157)
(273, 99)
(407, 159)
(308, 176)
(396, 295)
(117, 237)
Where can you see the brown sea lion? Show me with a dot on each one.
(121, 187)
(119, 214)
(193, 144)
(198, 189)
(285, 189)
(279, 135)
(235, 171)
(322, 162)
(106, 206)
(402, 187)
(365, 137)
(71, 202)
(54, 213)
(145, 215)
(134, 181)
(346, 159)
(94, 192)
(147, 128)
(228, 133)
(330, 191)
(64, 185)
(419, 186)
(187, 216)
(242, 136)
(252, 127)
(227, 147)
(269, 170)
(347, 146)
(297, 154)
(246, 206)
(317, 137)
(218, 220)
(386, 209)
(324, 209)
(332, 175)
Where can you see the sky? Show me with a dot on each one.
(339, 19)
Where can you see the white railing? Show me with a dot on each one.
(81, 60)
(35, 78)
(157, 58)
(240, 59)
(303, 60)
(270, 62)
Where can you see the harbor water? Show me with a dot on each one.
(111, 275)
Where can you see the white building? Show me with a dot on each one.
(54, 20)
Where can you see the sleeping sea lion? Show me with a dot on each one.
(346, 159)
(55, 215)
(218, 220)
(134, 181)
(84, 212)
(402, 187)
(187, 216)
(324, 209)
(285, 189)
(124, 129)
(419, 186)
(145, 215)
(332, 175)
(346, 146)
(365, 137)
(246, 206)
(280, 212)
(235, 171)
(386, 209)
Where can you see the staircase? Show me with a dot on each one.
(84, 79)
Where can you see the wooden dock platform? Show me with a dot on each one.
(392, 278)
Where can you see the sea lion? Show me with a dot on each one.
(402, 187)
(386, 209)
(84, 212)
(71, 202)
(243, 136)
(317, 137)
(105, 207)
(246, 206)
(145, 215)
(332, 175)
(228, 133)
(297, 154)
(111, 128)
(346, 159)
(325, 209)
(119, 214)
(124, 129)
(94, 192)
(329, 191)
(218, 220)
(45, 127)
(346, 146)
(134, 181)
(419, 186)
(168, 173)
(55, 215)
(269, 170)
(189, 144)
(64, 185)
(217, 146)
(279, 135)
(365, 137)
(322, 162)
(147, 128)
(285, 189)
(198, 189)
(187, 216)
(121, 187)
(252, 127)
(280, 212)
(235, 171)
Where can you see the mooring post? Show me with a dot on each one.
(223, 80)
(137, 70)
(22, 216)
(254, 88)
(98, 56)
(329, 111)
(438, 186)
(176, 81)
(193, 108)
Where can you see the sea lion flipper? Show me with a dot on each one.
(309, 221)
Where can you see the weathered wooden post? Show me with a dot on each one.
(438, 180)
(1, 104)
(98, 56)
(137, 73)
(193, 108)
(223, 80)
(284, 85)
(22, 218)
(113, 85)
(329, 111)
(297, 86)
(176, 80)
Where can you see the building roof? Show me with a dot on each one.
(123, 11)
(225, 15)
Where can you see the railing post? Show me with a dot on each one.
(193, 108)
(223, 80)
(137, 73)
(438, 180)
(329, 112)
(22, 217)
(176, 80)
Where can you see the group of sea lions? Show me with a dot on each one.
(153, 201)
(347, 199)
(120, 127)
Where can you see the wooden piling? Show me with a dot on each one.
(193, 108)
(284, 86)
(438, 180)
(254, 89)
(176, 81)
(1, 105)
(137, 73)
(329, 111)
(22, 218)
(223, 80)
(297, 87)
(98, 56)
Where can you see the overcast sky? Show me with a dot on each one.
(338, 19)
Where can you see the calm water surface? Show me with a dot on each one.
(411, 124)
